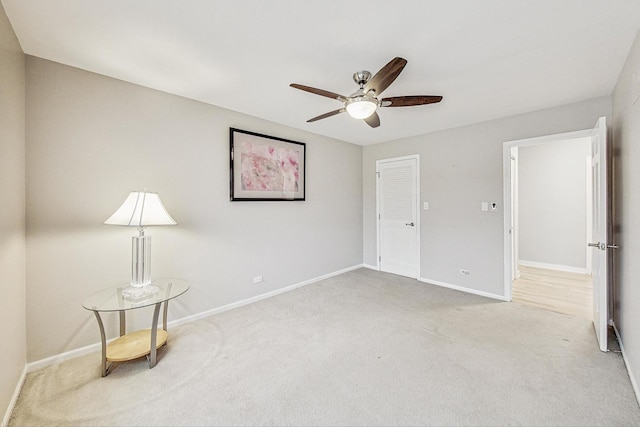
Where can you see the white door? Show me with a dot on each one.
(398, 244)
(599, 241)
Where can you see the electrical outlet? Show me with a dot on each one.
(464, 272)
(257, 279)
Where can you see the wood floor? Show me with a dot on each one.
(558, 291)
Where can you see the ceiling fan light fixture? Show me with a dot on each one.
(361, 107)
(363, 103)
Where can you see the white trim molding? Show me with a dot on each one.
(14, 398)
(634, 383)
(463, 289)
(257, 298)
(567, 268)
(43, 363)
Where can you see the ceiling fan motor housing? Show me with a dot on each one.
(361, 77)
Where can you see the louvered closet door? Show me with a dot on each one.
(397, 224)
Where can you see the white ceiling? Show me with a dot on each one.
(487, 58)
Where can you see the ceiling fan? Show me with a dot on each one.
(363, 103)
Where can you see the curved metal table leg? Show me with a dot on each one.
(123, 323)
(154, 331)
(103, 362)
(164, 316)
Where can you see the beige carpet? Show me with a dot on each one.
(361, 349)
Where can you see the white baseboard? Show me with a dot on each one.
(14, 398)
(463, 289)
(371, 267)
(567, 268)
(39, 364)
(260, 297)
(634, 384)
(67, 355)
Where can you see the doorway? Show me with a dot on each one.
(599, 220)
(398, 222)
(551, 203)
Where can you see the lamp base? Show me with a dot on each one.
(141, 260)
(137, 292)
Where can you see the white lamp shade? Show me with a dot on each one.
(361, 109)
(140, 210)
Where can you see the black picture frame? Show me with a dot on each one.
(265, 168)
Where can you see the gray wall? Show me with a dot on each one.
(460, 168)
(626, 138)
(93, 139)
(12, 215)
(553, 203)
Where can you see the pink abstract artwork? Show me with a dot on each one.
(269, 168)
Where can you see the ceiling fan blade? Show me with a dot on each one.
(319, 92)
(385, 76)
(407, 101)
(373, 120)
(325, 115)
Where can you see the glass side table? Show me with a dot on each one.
(133, 345)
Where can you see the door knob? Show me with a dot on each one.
(603, 246)
(410, 223)
(598, 245)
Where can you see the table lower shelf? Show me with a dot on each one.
(134, 345)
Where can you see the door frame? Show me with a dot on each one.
(417, 228)
(506, 185)
(514, 208)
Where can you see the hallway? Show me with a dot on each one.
(553, 290)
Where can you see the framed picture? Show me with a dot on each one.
(265, 167)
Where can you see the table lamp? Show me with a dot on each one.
(141, 209)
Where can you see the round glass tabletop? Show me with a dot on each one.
(111, 299)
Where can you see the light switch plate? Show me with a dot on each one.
(425, 206)
(484, 206)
